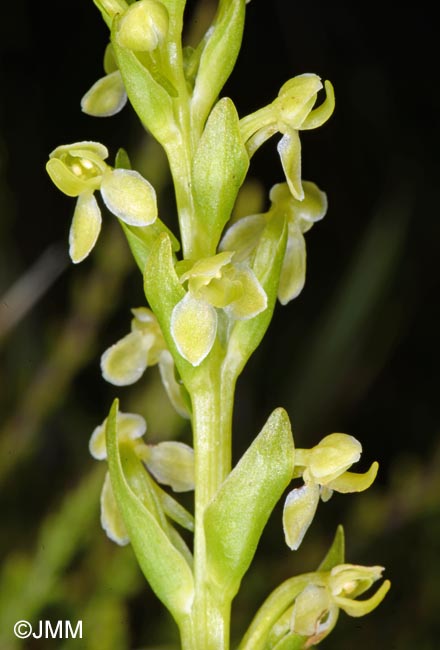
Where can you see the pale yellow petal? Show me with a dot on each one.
(253, 298)
(106, 97)
(126, 361)
(332, 456)
(111, 518)
(353, 482)
(85, 228)
(172, 463)
(298, 513)
(193, 328)
(293, 271)
(171, 385)
(129, 196)
(289, 148)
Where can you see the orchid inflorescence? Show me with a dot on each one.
(211, 293)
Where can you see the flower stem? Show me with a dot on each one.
(212, 413)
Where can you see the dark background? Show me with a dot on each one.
(356, 352)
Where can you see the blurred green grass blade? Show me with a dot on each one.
(28, 585)
(347, 323)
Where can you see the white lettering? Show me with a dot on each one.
(51, 632)
(40, 630)
(73, 633)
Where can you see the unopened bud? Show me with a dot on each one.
(144, 26)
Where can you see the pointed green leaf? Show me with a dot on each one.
(163, 291)
(142, 240)
(246, 335)
(235, 518)
(149, 99)
(218, 58)
(336, 553)
(122, 161)
(219, 168)
(163, 565)
(270, 612)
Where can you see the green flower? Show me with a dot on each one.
(324, 470)
(243, 236)
(126, 361)
(79, 170)
(170, 463)
(213, 283)
(289, 113)
(107, 96)
(316, 608)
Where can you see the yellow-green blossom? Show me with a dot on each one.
(107, 96)
(79, 170)
(126, 361)
(213, 283)
(316, 608)
(143, 26)
(243, 236)
(289, 113)
(170, 462)
(324, 470)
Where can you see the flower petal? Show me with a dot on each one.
(321, 114)
(332, 456)
(106, 97)
(298, 513)
(312, 208)
(293, 271)
(111, 518)
(358, 608)
(253, 298)
(129, 196)
(296, 99)
(314, 614)
(172, 463)
(242, 237)
(193, 328)
(289, 148)
(126, 361)
(131, 426)
(85, 228)
(171, 385)
(65, 180)
(353, 482)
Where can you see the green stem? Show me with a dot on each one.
(212, 413)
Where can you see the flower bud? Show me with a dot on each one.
(144, 26)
